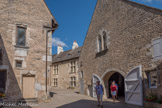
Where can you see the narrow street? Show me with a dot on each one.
(70, 99)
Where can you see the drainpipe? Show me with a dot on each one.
(48, 29)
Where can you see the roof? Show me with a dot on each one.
(56, 24)
(67, 55)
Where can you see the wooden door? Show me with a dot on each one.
(95, 79)
(133, 87)
(28, 87)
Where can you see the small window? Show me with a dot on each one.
(81, 74)
(104, 40)
(55, 70)
(55, 82)
(1, 57)
(152, 78)
(99, 43)
(72, 81)
(73, 67)
(21, 36)
(19, 63)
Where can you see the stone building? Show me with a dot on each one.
(123, 43)
(65, 74)
(24, 27)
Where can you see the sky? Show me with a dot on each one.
(74, 17)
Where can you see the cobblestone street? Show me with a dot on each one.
(70, 99)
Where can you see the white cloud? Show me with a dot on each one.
(56, 41)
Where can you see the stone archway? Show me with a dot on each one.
(109, 74)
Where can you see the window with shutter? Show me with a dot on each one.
(157, 49)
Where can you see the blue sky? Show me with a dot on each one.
(74, 16)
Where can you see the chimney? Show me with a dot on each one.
(59, 49)
(75, 45)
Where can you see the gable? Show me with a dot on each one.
(50, 12)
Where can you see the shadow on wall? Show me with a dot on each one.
(8, 83)
(93, 104)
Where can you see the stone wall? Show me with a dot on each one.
(131, 28)
(64, 74)
(34, 15)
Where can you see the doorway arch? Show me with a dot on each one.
(111, 75)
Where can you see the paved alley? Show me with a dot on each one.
(70, 99)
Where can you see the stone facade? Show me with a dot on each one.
(65, 69)
(35, 17)
(130, 29)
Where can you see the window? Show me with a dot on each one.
(157, 49)
(55, 70)
(55, 82)
(81, 74)
(72, 81)
(21, 36)
(19, 63)
(1, 57)
(73, 67)
(105, 40)
(152, 77)
(99, 43)
(102, 41)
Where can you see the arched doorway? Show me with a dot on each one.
(119, 80)
(118, 77)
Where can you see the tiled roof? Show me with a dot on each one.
(67, 55)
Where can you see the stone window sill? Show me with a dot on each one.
(103, 52)
(19, 68)
(72, 72)
(24, 47)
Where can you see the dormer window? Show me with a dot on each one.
(69, 55)
(58, 58)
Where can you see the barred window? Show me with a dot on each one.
(73, 67)
(72, 81)
(55, 70)
(21, 36)
(55, 82)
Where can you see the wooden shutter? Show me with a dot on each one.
(156, 49)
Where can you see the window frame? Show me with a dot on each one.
(102, 41)
(73, 67)
(17, 28)
(17, 65)
(55, 70)
(150, 80)
(99, 39)
(73, 81)
(55, 82)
